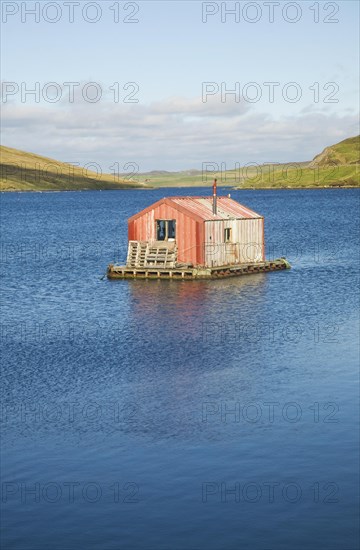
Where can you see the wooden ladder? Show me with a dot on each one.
(137, 251)
(132, 254)
(142, 252)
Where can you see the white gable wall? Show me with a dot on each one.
(247, 242)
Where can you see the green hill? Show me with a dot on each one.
(345, 152)
(337, 166)
(186, 178)
(21, 171)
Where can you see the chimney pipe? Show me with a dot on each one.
(214, 198)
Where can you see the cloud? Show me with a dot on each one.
(177, 133)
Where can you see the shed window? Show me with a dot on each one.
(165, 229)
(227, 234)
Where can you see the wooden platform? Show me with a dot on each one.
(126, 272)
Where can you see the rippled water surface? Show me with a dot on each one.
(184, 415)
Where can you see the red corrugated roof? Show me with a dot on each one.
(202, 207)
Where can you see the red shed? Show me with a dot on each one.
(195, 231)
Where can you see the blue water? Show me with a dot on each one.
(178, 415)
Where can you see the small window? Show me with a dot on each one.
(227, 234)
(165, 229)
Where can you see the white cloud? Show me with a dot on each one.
(177, 133)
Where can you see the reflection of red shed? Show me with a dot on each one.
(198, 231)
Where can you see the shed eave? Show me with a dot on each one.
(217, 219)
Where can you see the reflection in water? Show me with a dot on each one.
(196, 300)
(187, 343)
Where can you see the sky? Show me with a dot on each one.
(171, 85)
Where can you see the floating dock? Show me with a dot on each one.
(191, 273)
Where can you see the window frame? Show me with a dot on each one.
(166, 229)
(227, 234)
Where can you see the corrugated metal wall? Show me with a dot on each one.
(247, 242)
(189, 232)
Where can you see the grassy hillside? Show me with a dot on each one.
(21, 171)
(337, 166)
(344, 152)
(187, 178)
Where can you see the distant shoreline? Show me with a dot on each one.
(336, 167)
(307, 188)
